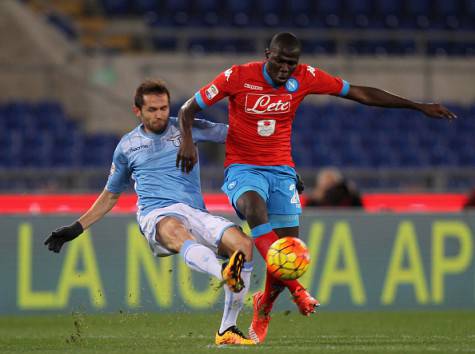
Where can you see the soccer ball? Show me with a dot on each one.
(287, 258)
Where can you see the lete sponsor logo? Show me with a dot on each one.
(267, 104)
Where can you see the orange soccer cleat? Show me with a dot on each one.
(260, 320)
(232, 336)
(232, 272)
(305, 302)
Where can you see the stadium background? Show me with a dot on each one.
(69, 70)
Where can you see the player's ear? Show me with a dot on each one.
(267, 53)
(136, 111)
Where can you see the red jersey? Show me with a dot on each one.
(260, 113)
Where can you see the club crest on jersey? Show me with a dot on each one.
(292, 85)
(266, 127)
(211, 92)
(267, 104)
(175, 139)
(232, 185)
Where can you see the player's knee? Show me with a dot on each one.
(253, 207)
(255, 214)
(234, 240)
(246, 246)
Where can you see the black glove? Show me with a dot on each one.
(300, 185)
(64, 234)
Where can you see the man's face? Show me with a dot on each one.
(154, 113)
(281, 63)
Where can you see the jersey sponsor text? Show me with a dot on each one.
(267, 104)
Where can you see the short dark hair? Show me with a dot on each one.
(148, 87)
(285, 40)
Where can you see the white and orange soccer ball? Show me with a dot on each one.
(287, 258)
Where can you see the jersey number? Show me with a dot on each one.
(295, 196)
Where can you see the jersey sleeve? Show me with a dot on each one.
(204, 130)
(222, 86)
(119, 177)
(321, 82)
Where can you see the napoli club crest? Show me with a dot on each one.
(292, 85)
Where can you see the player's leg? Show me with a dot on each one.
(277, 225)
(173, 235)
(196, 235)
(254, 208)
(273, 287)
(224, 238)
(248, 189)
(232, 241)
(284, 212)
(305, 302)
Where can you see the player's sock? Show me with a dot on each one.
(233, 302)
(201, 258)
(273, 288)
(264, 236)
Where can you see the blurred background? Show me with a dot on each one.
(69, 70)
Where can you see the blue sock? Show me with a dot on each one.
(201, 258)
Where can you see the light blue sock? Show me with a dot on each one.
(233, 302)
(201, 258)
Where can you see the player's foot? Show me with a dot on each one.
(260, 320)
(305, 302)
(232, 336)
(232, 272)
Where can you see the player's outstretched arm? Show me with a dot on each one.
(103, 204)
(187, 157)
(376, 97)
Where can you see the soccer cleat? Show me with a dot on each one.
(232, 336)
(260, 320)
(305, 302)
(232, 272)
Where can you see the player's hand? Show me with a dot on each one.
(187, 156)
(435, 110)
(64, 234)
(300, 185)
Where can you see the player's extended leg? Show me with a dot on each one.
(172, 234)
(305, 302)
(254, 208)
(235, 240)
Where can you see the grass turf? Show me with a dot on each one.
(349, 332)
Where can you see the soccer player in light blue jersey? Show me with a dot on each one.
(171, 211)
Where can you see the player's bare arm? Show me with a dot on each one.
(376, 97)
(103, 204)
(187, 156)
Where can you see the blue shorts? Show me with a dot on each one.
(275, 184)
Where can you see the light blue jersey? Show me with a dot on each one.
(150, 160)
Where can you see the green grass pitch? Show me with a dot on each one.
(331, 332)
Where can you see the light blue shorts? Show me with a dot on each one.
(275, 184)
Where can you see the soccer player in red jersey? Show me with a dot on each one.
(260, 179)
